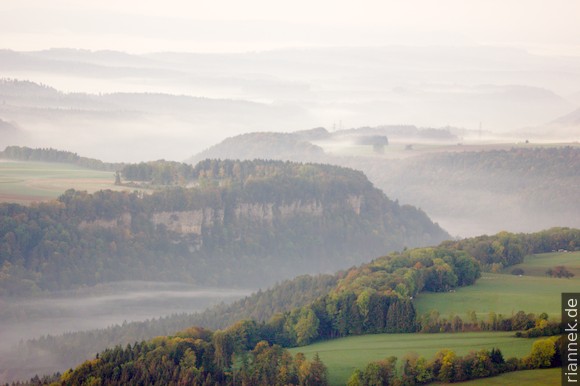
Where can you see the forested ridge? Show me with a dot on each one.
(242, 223)
(371, 298)
(194, 356)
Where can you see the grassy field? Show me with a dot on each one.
(506, 293)
(342, 356)
(544, 377)
(26, 182)
(537, 265)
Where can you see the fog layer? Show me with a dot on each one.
(120, 107)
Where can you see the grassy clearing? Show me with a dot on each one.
(506, 293)
(343, 356)
(537, 265)
(26, 182)
(544, 377)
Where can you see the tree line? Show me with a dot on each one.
(446, 366)
(23, 153)
(195, 356)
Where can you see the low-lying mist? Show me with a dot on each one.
(103, 306)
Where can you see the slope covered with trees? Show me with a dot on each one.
(196, 356)
(372, 298)
(243, 223)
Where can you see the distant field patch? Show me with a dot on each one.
(537, 265)
(544, 377)
(343, 356)
(506, 293)
(26, 182)
(500, 293)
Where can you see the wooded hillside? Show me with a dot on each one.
(243, 223)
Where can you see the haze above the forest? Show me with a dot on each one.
(501, 66)
(230, 26)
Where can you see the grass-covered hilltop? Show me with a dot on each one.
(374, 302)
(236, 223)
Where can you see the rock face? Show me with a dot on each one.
(195, 221)
(124, 220)
(187, 222)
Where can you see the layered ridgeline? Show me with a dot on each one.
(241, 223)
(469, 190)
(373, 298)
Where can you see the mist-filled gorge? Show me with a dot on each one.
(102, 306)
(256, 194)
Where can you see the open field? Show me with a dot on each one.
(26, 182)
(544, 377)
(343, 356)
(506, 293)
(537, 265)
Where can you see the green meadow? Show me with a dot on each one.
(502, 293)
(544, 377)
(26, 182)
(343, 356)
(537, 265)
(506, 294)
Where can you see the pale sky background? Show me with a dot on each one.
(140, 26)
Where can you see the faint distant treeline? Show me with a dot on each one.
(23, 153)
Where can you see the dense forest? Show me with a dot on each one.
(242, 223)
(195, 356)
(371, 298)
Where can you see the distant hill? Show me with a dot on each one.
(563, 128)
(470, 189)
(244, 224)
(307, 145)
(572, 119)
(286, 146)
(461, 86)
(567, 126)
(95, 94)
(8, 128)
(10, 133)
(129, 126)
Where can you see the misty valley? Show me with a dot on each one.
(102, 306)
(389, 215)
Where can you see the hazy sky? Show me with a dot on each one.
(233, 25)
